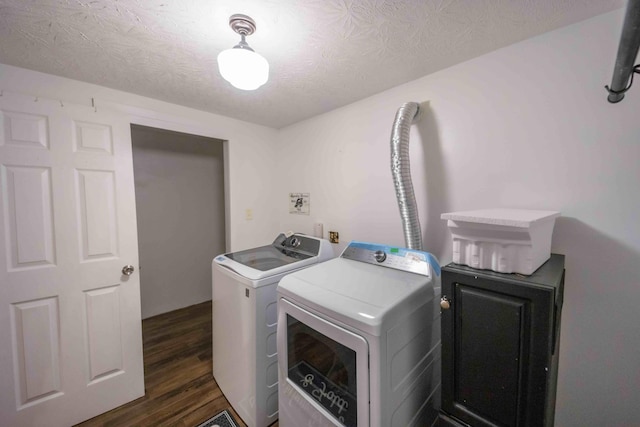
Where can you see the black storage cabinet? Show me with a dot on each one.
(500, 337)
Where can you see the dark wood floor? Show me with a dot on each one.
(180, 389)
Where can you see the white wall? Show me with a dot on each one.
(527, 126)
(179, 180)
(249, 148)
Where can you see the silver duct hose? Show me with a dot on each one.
(401, 172)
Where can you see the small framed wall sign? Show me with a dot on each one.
(299, 203)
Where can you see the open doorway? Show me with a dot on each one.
(179, 184)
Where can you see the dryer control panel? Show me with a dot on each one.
(403, 259)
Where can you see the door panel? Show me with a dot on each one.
(489, 323)
(24, 130)
(29, 216)
(104, 338)
(97, 213)
(36, 341)
(68, 227)
(92, 138)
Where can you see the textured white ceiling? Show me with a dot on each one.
(323, 53)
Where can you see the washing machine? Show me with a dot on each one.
(359, 340)
(244, 317)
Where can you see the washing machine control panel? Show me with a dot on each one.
(410, 260)
(298, 243)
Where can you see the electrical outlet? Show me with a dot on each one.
(248, 214)
(334, 237)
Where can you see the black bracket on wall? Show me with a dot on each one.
(627, 52)
(617, 95)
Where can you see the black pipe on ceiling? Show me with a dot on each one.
(627, 53)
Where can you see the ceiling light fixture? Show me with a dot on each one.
(240, 65)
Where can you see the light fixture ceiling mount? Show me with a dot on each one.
(241, 65)
(242, 24)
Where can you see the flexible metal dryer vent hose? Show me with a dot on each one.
(401, 172)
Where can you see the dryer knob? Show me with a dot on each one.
(380, 256)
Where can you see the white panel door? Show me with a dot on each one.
(70, 322)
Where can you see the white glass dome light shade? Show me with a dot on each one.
(243, 68)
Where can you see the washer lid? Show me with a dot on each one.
(286, 253)
(259, 263)
(267, 258)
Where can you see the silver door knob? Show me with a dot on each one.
(445, 303)
(128, 270)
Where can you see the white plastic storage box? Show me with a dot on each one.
(502, 240)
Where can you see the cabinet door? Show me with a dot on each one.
(495, 351)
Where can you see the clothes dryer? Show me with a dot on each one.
(244, 317)
(359, 340)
